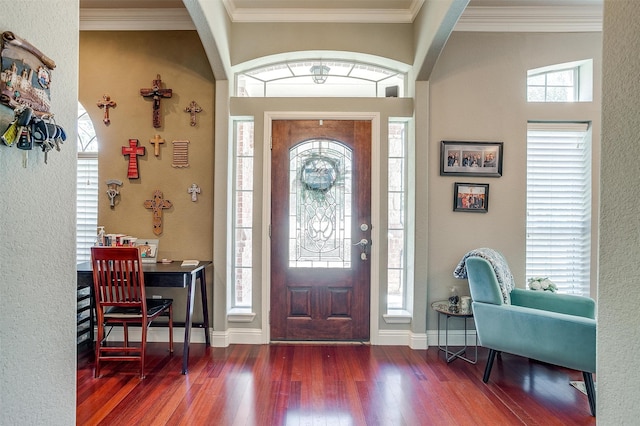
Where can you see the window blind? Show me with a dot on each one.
(559, 205)
(86, 205)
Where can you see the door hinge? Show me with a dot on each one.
(269, 230)
(270, 142)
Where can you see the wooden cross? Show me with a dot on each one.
(194, 190)
(156, 141)
(193, 109)
(105, 104)
(133, 150)
(157, 204)
(157, 93)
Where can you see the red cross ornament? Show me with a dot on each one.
(133, 150)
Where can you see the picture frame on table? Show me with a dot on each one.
(471, 197)
(459, 158)
(148, 250)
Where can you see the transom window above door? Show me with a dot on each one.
(320, 78)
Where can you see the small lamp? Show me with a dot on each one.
(319, 73)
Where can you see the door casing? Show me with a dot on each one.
(374, 117)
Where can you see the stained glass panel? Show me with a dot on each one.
(320, 205)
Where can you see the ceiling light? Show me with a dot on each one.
(319, 73)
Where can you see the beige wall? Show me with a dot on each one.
(618, 364)
(251, 41)
(120, 64)
(37, 238)
(478, 93)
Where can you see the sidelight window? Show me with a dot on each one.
(242, 241)
(397, 199)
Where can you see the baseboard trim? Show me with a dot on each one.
(402, 338)
(157, 334)
(456, 337)
(253, 336)
(240, 336)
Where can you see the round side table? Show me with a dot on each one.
(442, 308)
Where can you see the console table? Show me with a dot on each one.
(171, 275)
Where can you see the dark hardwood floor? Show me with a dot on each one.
(284, 384)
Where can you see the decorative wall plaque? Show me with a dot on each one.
(180, 154)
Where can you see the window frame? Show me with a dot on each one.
(582, 80)
(233, 305)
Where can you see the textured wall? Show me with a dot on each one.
(37, 238)
(618, 291)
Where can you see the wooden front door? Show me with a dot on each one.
(320, 211)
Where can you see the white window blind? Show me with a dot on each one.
(559, 205)
(86, 205)
(86, 186)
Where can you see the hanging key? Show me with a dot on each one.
(25, 142)
(47, 146)
(60, 137)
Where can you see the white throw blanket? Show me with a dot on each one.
(500, 267)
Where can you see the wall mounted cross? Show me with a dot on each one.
(157, 204)
(133, 150)
(156, 141)
(105, 104)
(193, 109)
(112, 190)
(194, 190)
(156, 93)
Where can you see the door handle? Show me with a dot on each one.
(363, 246)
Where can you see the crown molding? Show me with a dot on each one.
(531, 19)
(135, 20)
(319, 15)
(351, 16)
(478, 18)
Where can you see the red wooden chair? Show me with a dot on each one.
(120, 300)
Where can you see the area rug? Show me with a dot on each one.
(579, 384)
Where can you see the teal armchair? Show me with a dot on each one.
(554, 328)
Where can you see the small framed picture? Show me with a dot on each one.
(471, 197)
(148, 250)
(471, 158)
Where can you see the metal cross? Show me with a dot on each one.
(112, 190)
(193, 109)
(194, 190)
